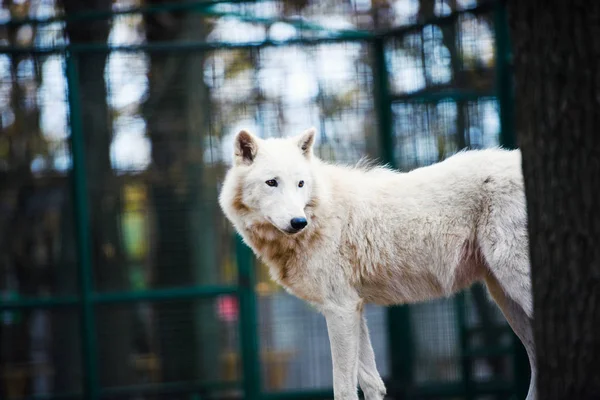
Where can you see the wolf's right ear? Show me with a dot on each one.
(246, 146)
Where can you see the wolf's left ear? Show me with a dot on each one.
(306, 141)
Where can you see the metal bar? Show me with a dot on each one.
(500, 329)
(489, 352)
(164, 294)
(122, 297)
(59, 396)
(169, 388)
(182, 46)
(508, 139)
(96, 15)
(248, 322)
(339, 36)
(504, 83)
(299, 395)
(40, 303)
(82, 227)
(436, 97)
(299, 23)
(206, 8)
(481, 8)
(521, 367)
(454, 390)
(466, 362)
(398, 316)
(383, 103)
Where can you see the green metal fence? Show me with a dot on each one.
(404, 118)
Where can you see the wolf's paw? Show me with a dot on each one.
(374, 394)
(346, 395)
(374, 390)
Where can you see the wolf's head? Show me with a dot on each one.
(271, 181)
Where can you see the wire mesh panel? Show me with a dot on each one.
(442, 80)
(40, 347)
(179, 341)
(436, 342)
(155, 225)
(278, 92)
(151, 102)
(429, 132)
(454, 54)
(35, 212)
(295, 350)
(40, 353)
(153, 197)
(488, 338)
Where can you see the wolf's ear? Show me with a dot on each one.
(246, 146)
(306, 141)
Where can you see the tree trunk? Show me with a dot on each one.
(557, 64)
(185, 251)
(16, 340)
(114, 330)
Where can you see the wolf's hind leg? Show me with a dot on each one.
(520, 323)
(508, 262)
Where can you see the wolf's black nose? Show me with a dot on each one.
(298, 223)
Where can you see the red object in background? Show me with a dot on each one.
(228, 308)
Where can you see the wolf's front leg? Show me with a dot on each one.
(343, 326)
(368, 377)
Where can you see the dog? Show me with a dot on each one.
(343, 236)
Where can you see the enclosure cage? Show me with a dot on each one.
(120, 277)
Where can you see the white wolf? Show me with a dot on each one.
(339, 237)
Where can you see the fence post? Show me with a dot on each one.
(399, 330)
(504, 82)
(460, 304)
(383, 103)
(82, 232)
(505, 93)
(248, 323)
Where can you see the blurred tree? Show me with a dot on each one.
(15, 336)
(177, 122)
(114, 330)
(557, 70)
(26, 251)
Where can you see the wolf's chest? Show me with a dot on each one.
(295, 280)
(286, 266)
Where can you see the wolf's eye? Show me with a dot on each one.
(301, 183)
(271, 182)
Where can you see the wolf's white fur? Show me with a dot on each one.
(375, 235)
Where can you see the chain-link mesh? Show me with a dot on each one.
(158, 126)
